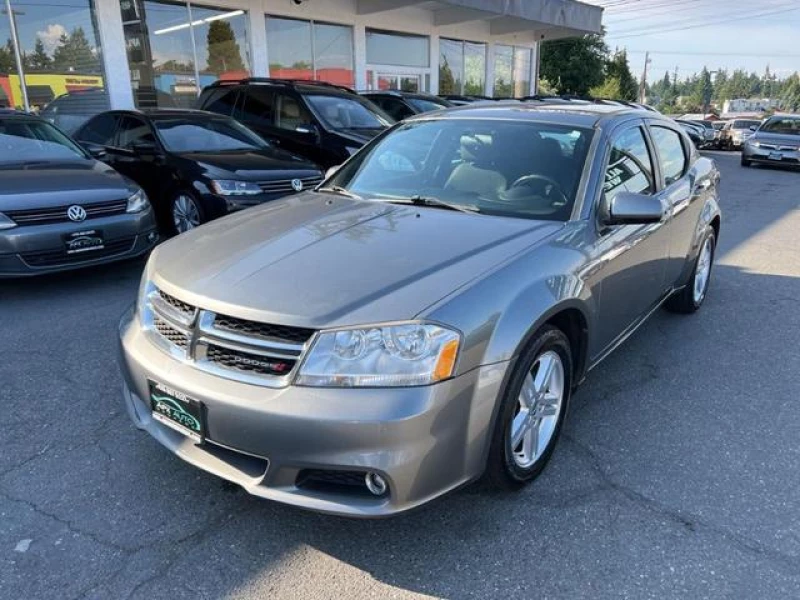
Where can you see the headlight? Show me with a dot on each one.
(351, 150)
(5, 222)
(400, 354)
(229, 187)
(137, 202)
(146, 287)
(755, 143)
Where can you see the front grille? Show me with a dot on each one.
(58, 214)
(178, 305)
(52, 258)
(180, 339)
(249, 363)
(284, 186)
(263, 331)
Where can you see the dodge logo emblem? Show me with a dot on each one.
(76, 213)
(297, 185)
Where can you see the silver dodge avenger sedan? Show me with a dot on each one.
(422, 317)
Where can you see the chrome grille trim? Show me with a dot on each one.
(58, 214)
(167, 318)
(285, 185)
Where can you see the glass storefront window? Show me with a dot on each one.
(462, 67)
(59, 47)
(175, 49)
(310, 50)
(512, 71)
(390, 48)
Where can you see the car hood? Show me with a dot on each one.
(54, 183)
(255, 165)
(776, 139)
(361, 136)
(316, 260)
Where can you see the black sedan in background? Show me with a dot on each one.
(60, 208)
(195, 166)
(400, 105)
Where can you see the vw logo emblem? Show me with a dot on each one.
(76, 213)
(297, 185)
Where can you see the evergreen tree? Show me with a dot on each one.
(619, 78)
(39, 60)
(224, 54)
(447, 82)
(74, 53)
(574, 65)
(7, 63)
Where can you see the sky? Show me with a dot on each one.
(690, 34)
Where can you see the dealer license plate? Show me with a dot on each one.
(177, 411)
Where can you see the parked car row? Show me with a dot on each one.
(775, 142)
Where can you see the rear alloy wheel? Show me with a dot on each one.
(532, 411)
(691, 297)
(186, 214)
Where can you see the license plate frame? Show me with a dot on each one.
(775, 156)
(177, 411)
(87, 240)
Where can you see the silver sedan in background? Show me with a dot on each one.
(422, 318)
(775, 142)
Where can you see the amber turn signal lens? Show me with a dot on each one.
(447, 361)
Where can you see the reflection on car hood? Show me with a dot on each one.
(316, 260)
(255, 165)
(59, 183)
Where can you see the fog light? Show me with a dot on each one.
(375, 483)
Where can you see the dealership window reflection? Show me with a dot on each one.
(176, 49)
(512, 71)
(462, 67)
(58, 46)
(300, 49)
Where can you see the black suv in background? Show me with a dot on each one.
(323, 122)
(400, 105)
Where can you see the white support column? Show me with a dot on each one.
(434, 62)
(115, 56)
(535, 69)
(259, 54)
(490, 70)
(360, 50)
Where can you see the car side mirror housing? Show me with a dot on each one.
(628, 208)
(308, 129)
(143, 148)
(95, 151)
(331, 171)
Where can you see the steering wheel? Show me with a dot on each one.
(528, 180)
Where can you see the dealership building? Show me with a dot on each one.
(161, 53)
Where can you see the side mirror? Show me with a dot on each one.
(95, 151)
(627, 208)
(331, 171)
(753, 128)
(307, 129)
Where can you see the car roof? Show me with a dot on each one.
(581, 115)
(163, 113)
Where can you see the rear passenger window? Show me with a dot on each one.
(258, 106)
(670, 151)
(134, 131)
(290, 113)
(630, 168)
(221, 101)
(99, 130)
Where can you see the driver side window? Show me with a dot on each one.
(630, 166)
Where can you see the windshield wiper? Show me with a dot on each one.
(433, 202)
(337, 189)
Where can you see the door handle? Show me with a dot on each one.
(704, 185)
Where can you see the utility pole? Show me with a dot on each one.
(12, 21)
(643, 85)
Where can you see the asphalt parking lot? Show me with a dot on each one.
(678, 476)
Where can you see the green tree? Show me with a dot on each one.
(74, 53)
(7, 64)
(175, 66)
(223, 52)
(611, 88)
(574, 65)
(790, 96)
(447, 82)
(39, 60)
(618, 69)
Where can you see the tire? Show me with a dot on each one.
(185, 212)
(691, 298)
(510, 468)
(745, 162)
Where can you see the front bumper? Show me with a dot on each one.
(771, 156)
(37, 249)
(424, 441)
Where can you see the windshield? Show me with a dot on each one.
(509, 168)
(30, 140)
(344, 113)
(745, 124)
(425, 105)
(785, 126)
(188, 134)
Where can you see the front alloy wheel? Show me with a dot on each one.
(185, 213)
